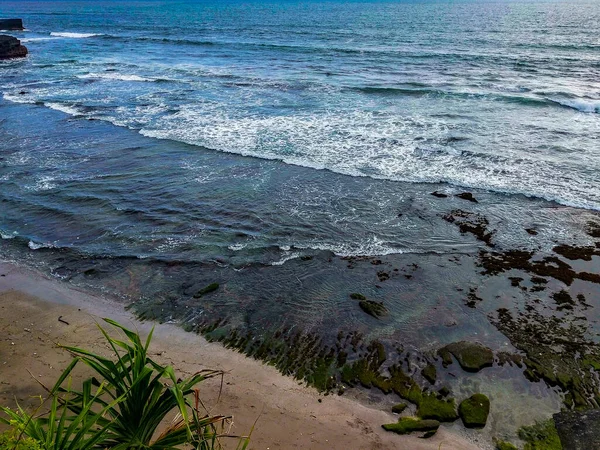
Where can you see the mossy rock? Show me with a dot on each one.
(408, 425)
(431, 407)
(541, 436)
(472, 356)
(210, 288)
(372, 308)
(399, 408)
(429, 373)
(474, 411)
(357, 296)
(503, 445)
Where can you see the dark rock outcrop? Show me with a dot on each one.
(11, 24)
(578, 430)
(10, 47)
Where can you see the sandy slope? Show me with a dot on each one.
(289, 415)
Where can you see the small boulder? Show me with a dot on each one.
(472, 356)
(409, 424)
(474, 411)
(372, 308)
(429, 373)
(210, 288)
(10, 47)
(399, 408)
(467, 196)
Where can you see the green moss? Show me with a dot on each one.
(541, 436)
(356, 296)
(430, 407)
(372, 308)
(472, 356)
(408, 425)
(430, 373)
(399, 408)
(474, 411)
(210, 288)
(503, 445)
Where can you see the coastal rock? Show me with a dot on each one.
(578, 430)
(474, 411)
(375, 309)
(408, 425)
(472, 356)
(429, 373)
(10, 47)
(467, 196)
(11, 24)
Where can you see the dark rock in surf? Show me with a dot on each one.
(467, 196)
(439, 194)
(11, 24)
(10, 47)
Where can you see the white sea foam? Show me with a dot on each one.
(74, 35)
(286, 258)
(25, 40)
(237, 247)
(6, 235)
(71, 110)
(583, 105)
(36, 246)
(115, 76)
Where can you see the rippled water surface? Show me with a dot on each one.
(502, 97)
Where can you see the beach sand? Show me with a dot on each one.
(289, 414)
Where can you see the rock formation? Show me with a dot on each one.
(10, 47)
(11, 24)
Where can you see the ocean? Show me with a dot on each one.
(151, 147)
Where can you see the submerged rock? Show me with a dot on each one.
(472, 356)
(11, 24)
(578, 430)
(372, 308)
(474, 411)
(429, 373)
(409, 424)
(10, 47)
(399, 408)
(210, 288)
(467, 196)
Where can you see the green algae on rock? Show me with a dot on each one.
(429, 372)
(399, 408)
(406, 425)
(503, 445)
(357, 296)
(472, 356)
(373, 308)
(557, 351)
(541, 436)
(210, 288)
(474, 411)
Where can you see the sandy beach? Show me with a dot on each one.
(289, 415)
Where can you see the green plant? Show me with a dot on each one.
(148, 393)
(13, 439)
(121, 407)
(58, 429)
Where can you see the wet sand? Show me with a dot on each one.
(289, 414)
